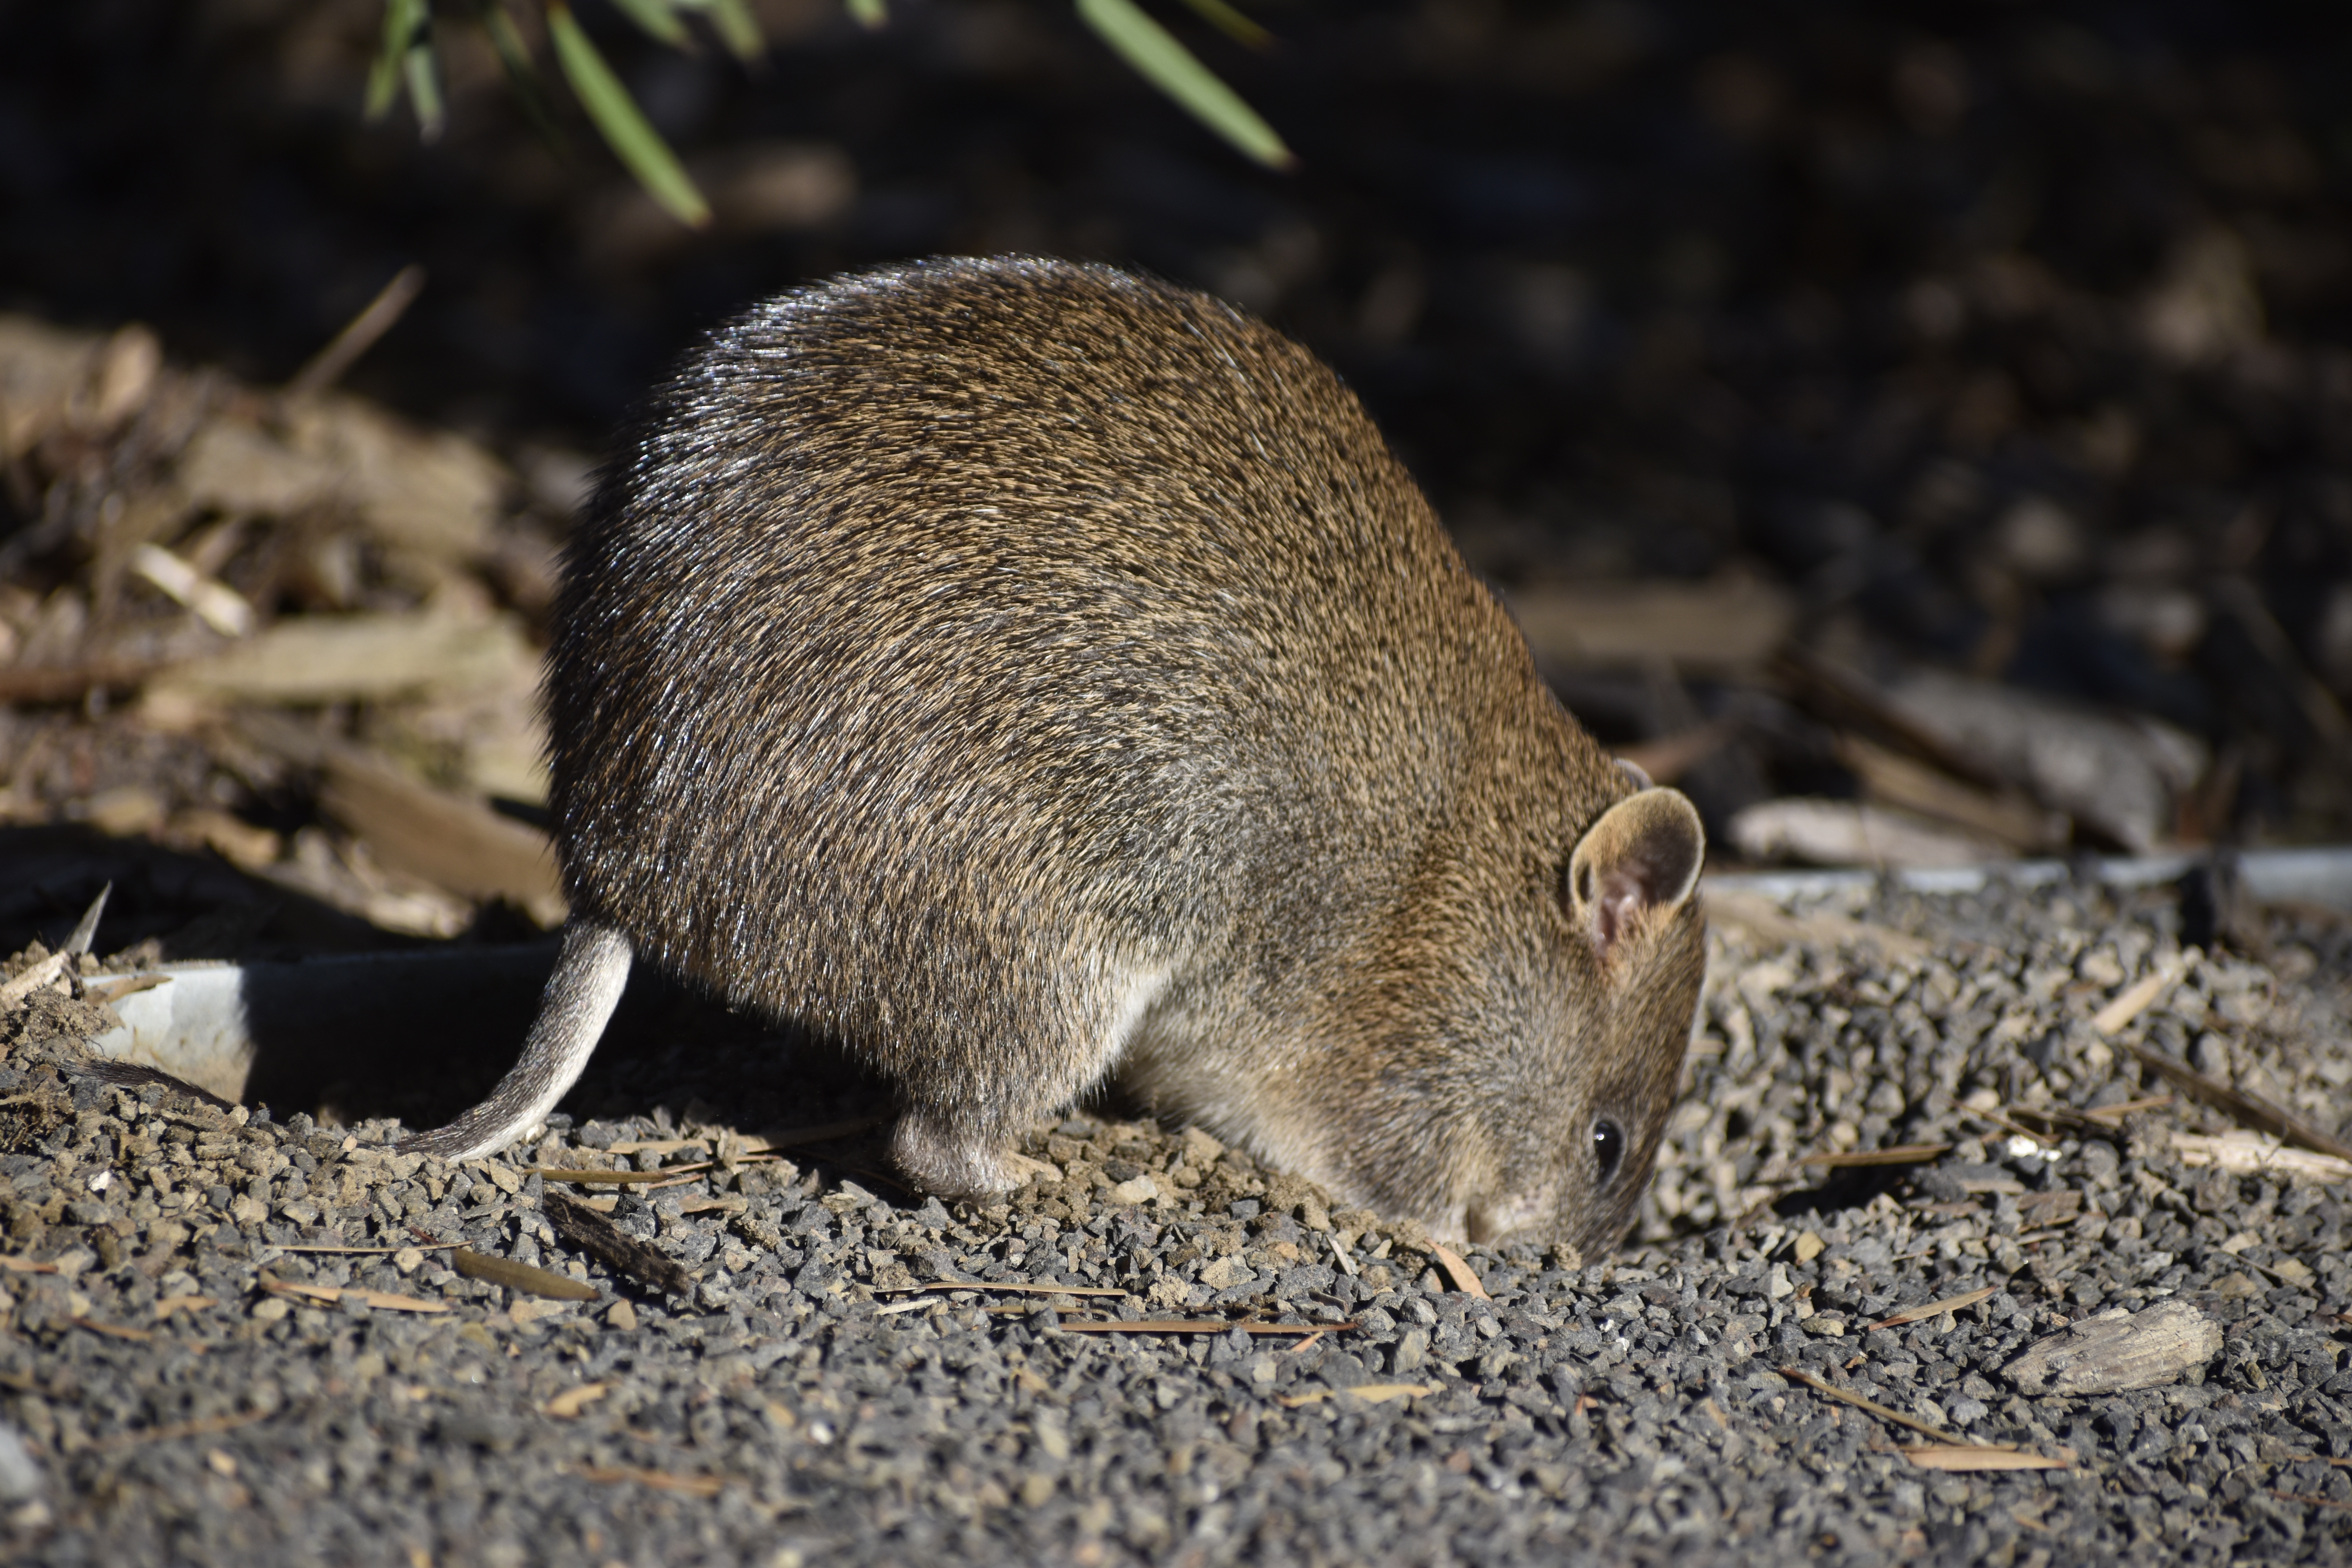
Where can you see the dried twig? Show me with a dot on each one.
(2250, 1109)
(1881, 1411)
(1027, 1287)
(330, 1294)
(2244, 1153)
(519, 1277)
(204, 1429)
(359, 335)
(1934, 1309)
(661, 1480)
(1968, 1457)
(581, 1176)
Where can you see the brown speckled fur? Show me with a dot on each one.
(1023, 671)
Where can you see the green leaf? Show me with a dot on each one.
(514, 54)
(658, 17)
(622, 125)
(403, 21)
(1229, 21)
(737, 28)
(1169, 65)
(867, 12)
(423, 90)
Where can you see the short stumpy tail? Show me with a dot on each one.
(581, 995)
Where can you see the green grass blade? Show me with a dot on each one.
(522, 74)
(1229, 20)
(868, 14)
(402, 19)
(737, 29)
(658, 17)
(622, 125)
(1171, 68)
(425, 90)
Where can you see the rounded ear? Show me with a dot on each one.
(1634, 771)
(1641, 860)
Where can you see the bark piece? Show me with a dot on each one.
(2118, 1351)
(584, 1228)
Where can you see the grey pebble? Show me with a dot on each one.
(1628, 1408)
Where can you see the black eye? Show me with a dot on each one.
(1607, 1152)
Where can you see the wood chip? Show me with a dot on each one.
(2142, 995)
(1898, 1154)
(45, 972)
(519, 1277)
(27, 1266)
(2118, 1352)
(453, 841)
(527, 1310)
(2307, 1497)
(1458, 1271)
(1967, 1456)
(117, 990)
(1382, 1393)
(661, 1480)
(1934, 1309)
(330, 1294)
(598, 1237)
(564, 1406)
(2244, 1153)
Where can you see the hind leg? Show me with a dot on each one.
(952, 1138)
(951, 1159)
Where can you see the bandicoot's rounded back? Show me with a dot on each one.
(1026, 672)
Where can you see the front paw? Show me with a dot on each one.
(950, 1161)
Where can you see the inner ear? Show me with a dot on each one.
(1643, 856)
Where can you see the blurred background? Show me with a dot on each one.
(1924, 433)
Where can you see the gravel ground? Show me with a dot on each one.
(163, 1404)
